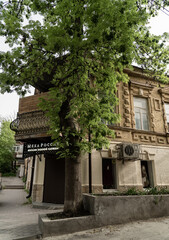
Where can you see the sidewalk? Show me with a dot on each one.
(12, 182)
(152, 229)
(18, 219)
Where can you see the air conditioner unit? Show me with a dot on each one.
(128, 151)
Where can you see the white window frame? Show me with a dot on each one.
(142, 112)
(166, 106)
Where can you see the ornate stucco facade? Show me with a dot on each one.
(143, 109)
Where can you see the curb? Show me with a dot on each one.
(33, 237)
(48, 206)
(13, 186)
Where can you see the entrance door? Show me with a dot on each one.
(147, 174)
(108, 173)
(54, 180)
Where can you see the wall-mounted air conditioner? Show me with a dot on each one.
(128, 151)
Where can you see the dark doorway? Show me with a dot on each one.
(109, 173)
(147, 174)
(54, 180)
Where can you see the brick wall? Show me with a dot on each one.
(30, 104)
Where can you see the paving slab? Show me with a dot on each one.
(12, 183)
(18, 219)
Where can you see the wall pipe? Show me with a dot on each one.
(90, 167)
(32, 175)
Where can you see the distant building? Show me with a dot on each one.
(18, 149)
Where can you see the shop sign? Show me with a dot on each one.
(39, 147)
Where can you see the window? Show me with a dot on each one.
(141, 113)
(167, 113)
(114, 110)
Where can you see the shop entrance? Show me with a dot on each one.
(54, 180)
(109, 173)
(147, 174)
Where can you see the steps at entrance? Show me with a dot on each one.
(13, 186)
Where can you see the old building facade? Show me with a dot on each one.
(137, 157)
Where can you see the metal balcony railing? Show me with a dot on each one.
(30, 123)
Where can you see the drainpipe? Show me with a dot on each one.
(90, 167)
(32, 174)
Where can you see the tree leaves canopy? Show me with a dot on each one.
(7, 143)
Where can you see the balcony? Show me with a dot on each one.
(31, 123)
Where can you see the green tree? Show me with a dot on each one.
(7, 143)
(78, 52)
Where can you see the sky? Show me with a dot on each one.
(9, 101)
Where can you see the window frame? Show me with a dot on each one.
(167, 122)
(142, 111)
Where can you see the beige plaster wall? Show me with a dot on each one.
(39, 170)
(38, 181)
(28, 163)
(161, 164)
(128, 174)
(96, 172)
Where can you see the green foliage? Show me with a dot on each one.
(79, 50)
(24, 179)
(9, 174)
(134, 191)
(7, 143)
(149, 191)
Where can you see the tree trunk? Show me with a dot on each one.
(73, 192)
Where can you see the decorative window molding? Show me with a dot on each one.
(165, 100)
(166, 118)
(157, 104)
(126, 106)
(142, 90)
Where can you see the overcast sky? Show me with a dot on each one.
(9, 102)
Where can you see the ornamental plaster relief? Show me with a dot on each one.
(144, 138)
(152, 123)
(165, 99)
(126, 106)
(139, 91)
(142, 90)
(118, 134)
(157, 105)
(161, 140)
